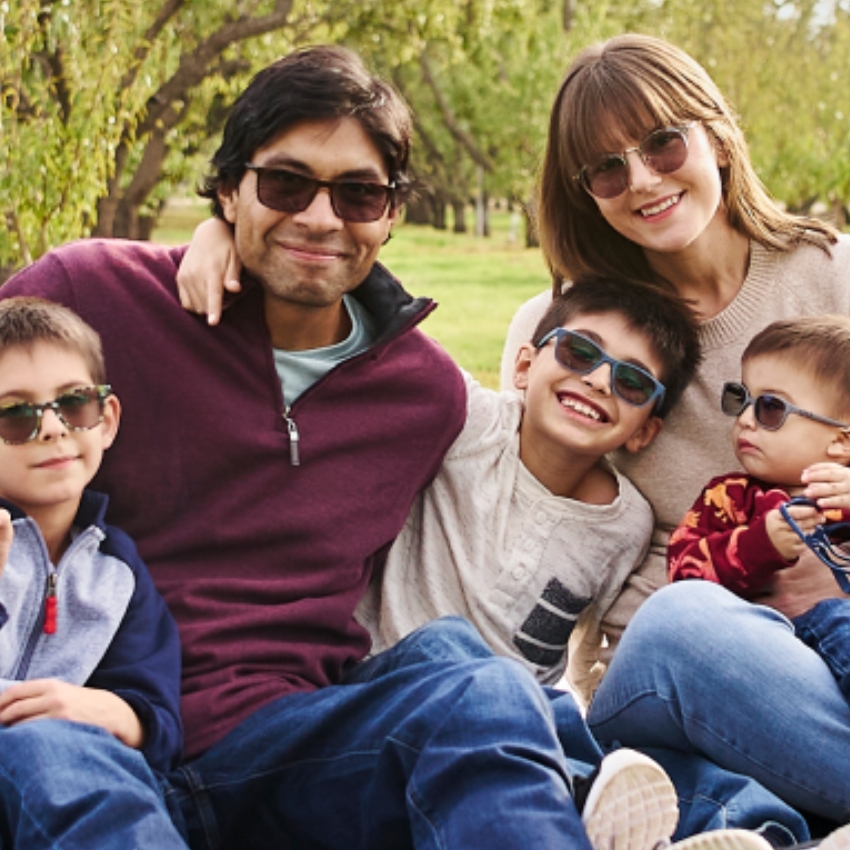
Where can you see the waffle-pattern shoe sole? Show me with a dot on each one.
(632, 804)
(725, 839)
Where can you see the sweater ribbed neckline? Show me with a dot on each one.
(737, 317)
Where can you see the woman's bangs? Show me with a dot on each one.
(614, 114)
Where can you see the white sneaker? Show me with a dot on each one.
(727, 839)
(631, 804)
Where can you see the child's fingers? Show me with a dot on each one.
(825, 473)
(216, 290)
(7, 533)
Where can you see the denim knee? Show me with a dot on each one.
(50, 746)
(687, 613)
(447, 639)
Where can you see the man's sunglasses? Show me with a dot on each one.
(664, 150)
(770, 411)
(78, 410)
(826, 541)
(581, 355)
(287, 191)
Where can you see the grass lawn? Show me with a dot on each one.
(478, 282)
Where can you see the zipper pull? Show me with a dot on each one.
(50, 606)
(294, 438)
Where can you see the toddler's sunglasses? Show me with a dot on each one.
(664, 150)
(78, 410)
(826, 541)
(581, 355)
(352, 200)
(770, 411)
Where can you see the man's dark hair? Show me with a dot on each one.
(666, 320)
(311, 84)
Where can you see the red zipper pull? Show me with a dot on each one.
(50, 606)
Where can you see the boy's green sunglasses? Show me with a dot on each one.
(581, 355)
(78, 409)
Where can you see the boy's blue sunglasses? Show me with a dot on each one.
(826, 541)
(581, 355)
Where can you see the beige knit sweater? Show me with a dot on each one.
(695, 443)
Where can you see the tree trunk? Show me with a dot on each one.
(418, 209)
(532, 239)
(459, 212)
(438, 203)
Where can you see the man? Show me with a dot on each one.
(265, 468)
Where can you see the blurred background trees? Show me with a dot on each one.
(109, 107)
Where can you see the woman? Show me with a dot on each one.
(647, 175)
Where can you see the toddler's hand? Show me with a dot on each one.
(828, 484)
(785, 540)
(7, 533)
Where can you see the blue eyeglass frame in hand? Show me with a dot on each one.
(820, 543)
(622, 373)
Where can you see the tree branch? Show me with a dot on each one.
(450, 120)
(193, 67)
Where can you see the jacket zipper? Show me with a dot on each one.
(292, 428)
(294, 438)
(50, 624)
(50, 604)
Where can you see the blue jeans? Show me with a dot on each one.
(701, 671)
(68, 785)
(709, 796)
(434, 743)
(826, 630)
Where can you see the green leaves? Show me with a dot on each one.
(109, 106)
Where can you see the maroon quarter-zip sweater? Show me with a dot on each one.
(261, 562)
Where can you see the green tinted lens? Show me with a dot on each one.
(577, 353)
(632, 384)
(18, 422)
(80, 409)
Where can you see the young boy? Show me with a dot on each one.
(792, 438)
(528, 531)
(84, 636)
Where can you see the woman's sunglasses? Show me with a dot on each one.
(664, 150)
(78, 410)
(581, 355)
(287, 191)
(770, 411)
(828, 542)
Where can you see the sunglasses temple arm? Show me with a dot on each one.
(841, 574)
